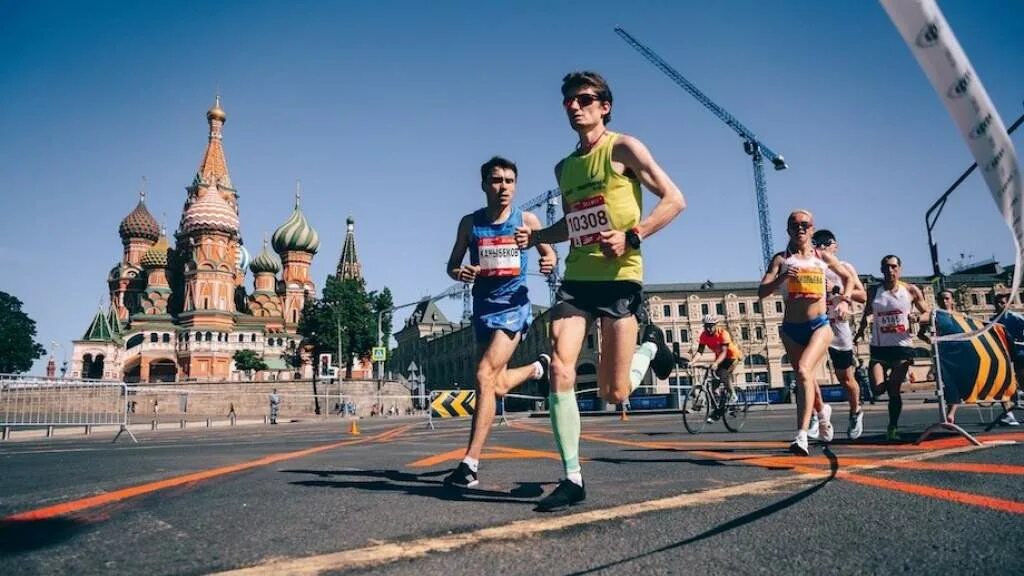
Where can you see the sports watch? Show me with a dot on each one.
(633, 238)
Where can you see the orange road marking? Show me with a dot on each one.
(133, 491)
(1011, 506)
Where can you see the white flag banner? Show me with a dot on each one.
(936, 49)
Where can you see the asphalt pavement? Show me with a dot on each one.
(311, 498)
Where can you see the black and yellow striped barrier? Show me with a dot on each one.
(453, 403)
(979, 369)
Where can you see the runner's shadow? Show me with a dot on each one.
(420, 485)
(25, 535)
(734, 523)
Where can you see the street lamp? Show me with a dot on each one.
(337, 320)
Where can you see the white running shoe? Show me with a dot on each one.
(812, 428)
(1009, 420)
(799, 444)
(825, 423)
(856, 425)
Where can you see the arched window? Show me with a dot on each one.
(153, 337)
(755, 360)
(253, 338)
(209, 336)
(241, 337)
(166, 338)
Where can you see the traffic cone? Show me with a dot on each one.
(354, 428)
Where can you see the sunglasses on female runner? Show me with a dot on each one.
(800, 226)
(584, 100)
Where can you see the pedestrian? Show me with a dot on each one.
(275, 404)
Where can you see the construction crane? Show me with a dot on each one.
(550, 200)
(751, 144)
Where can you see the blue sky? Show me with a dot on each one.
(385, 110)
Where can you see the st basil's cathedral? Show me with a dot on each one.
(181, 312)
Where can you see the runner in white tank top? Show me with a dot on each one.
(799, 273)
(891, 339)
(841, 351)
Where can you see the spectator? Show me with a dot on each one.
(275, 404)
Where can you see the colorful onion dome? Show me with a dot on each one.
(265, 261)
(216, 112)
(210, 213)
(296, 235)
(243, 258)
(156, 256)
(139, 223)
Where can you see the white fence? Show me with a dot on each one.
(47, 403)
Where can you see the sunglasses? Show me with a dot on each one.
(823, 243)
(800, 226)
(584, 100)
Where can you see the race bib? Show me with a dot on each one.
(586, 220)
(499, 257)
(808, 283)
(891, 322)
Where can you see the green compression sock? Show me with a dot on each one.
(565, 423)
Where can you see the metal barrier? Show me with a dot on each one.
(47, 403)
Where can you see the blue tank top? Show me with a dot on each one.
(492, 247)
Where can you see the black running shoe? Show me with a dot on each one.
(461, 477)
(664, 361)
(544, 382)
(564, 495)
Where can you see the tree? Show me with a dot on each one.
(249, 361)
(345, 302)
(18, 348)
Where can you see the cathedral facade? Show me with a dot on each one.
(181, 312)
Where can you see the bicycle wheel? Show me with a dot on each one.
(736, 415)
(696, 408)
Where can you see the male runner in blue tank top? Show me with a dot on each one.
(501, 305)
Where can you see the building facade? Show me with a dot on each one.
(181, 312)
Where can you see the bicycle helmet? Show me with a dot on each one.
(710, 319)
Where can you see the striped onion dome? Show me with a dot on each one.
(156, 256)
(265, 261)
(296, 235)
(139, 223)
(210, 213)
(243, 259)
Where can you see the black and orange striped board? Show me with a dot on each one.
(453, 403)
(976, 370)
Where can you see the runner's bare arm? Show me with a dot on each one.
(554, 234)
(859, 294)
(772, 279)
(455, 269)
(849, 283)
(548, 258)
(919, 304)
(638, 159)
(867, 312)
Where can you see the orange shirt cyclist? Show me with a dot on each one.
(727, 353)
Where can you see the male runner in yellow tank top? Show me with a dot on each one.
(601, 198)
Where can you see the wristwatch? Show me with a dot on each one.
(633, 238)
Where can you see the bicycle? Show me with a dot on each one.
(709, 400)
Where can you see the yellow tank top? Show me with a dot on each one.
(596, 199)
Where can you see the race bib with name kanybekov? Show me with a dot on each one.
(499, 257)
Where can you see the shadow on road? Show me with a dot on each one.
(697, 461)
(26, 535)
(734, 523)
(419, 485)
